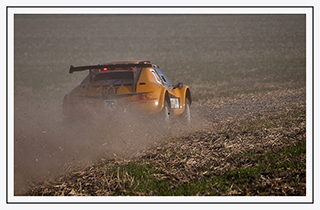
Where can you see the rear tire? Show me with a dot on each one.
(165, 114)
(186, 115)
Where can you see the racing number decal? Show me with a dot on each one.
(110, 104)
(110, 90)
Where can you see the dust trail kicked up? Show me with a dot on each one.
(47, 146)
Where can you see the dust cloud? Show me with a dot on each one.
(46, 145)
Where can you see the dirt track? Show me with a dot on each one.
(207, 147)
(212, 113)
(208, 115)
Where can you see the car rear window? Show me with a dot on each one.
(124, 75)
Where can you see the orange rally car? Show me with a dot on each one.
(127, 85)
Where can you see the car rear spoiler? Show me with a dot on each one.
(83, 68)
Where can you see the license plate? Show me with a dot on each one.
(110, 104)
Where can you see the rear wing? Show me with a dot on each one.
(83, 68)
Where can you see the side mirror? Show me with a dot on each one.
(179, 85)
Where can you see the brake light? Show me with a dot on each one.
(141, 97)
(145, 97)
(105, 69)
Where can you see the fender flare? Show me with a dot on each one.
(185, 93)
(164, 96)
(188, 95)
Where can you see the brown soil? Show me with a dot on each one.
(214, 142)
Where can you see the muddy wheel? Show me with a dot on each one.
(186, 115)
(165, 114)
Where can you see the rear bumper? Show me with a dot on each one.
(78, 107)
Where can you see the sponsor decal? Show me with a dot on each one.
(175, 103)
(155, 75)
(110, 90)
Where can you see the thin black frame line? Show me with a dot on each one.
(312, 104)
(7, 105)
(237, 203)
(312, 7)
(193, 7)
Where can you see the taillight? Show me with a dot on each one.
(148, 95)
(105, 69)
(145, 97)
(141, 97)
